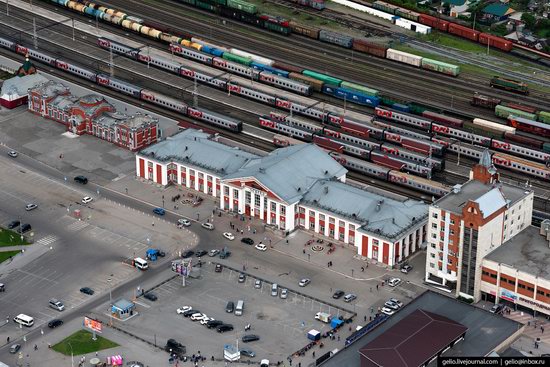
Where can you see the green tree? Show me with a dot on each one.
(529, 20)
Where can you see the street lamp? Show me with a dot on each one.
(110, 301)
(352, 273)
(72, 355)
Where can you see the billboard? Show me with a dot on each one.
(92, 324)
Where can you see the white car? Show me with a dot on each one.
(198, 316)
(393, 306)
(30, 207)
(208, 226)
(388, 311)
(284, 293)
(394, 282)
(261, 247)
(205, 320)
(86, 200)
(304, 282)
(184, 222)
(183, 309)
(13, 153)
(213, 252)
(396, 301)
(229, 236)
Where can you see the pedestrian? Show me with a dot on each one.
(365, 318)
(371, 289)
(542, 330)
(254, 231)
(8, 338)
(370, 318)
(270, 242)
(362, 269)
(313, 354)
(242, 232)
(338, 337)
(152, 224)
(304, 251)
(377, 287)
(529, 323)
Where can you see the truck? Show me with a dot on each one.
(152, 254)
(323, 316)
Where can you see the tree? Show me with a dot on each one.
(529, 20)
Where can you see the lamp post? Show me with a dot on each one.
(352, 273)
(110, 301)
(72, 356)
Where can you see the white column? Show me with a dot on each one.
(241, 197)
(262, 200)
(222, 196)
(178, 173)
(316, 230)
(187, 178)
(277, 214)
(346, 232)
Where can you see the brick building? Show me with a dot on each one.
(470, 222)
(295, 187)
(93, 115)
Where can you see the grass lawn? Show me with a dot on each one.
(7, 254)
(10, 238)
(82, 343)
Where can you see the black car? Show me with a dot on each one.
(190, 312)
(247, 241)
(55, 323)
(150, 296)
(14, 224)
(223, 328)
(213, 324)
(250, 338)
(25, 228)
(187, 254)
(175, 347)
(339, 293)
(87, 290)
(230, 307)
(201, 253)
(81, 179)
(247, 353)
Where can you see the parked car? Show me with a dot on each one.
(15, 348)
(13, 224)
(250, 338)
(304, 282)
(13, 153)
(181, 310)
(264, 363)
(230, 307)
(406, 268)
(219, 268)
(188, 313)
(247, 241)
(87, 290)
(86, 200)
(55, 323)
(496, 309)
(176, 347)
(206, 320)
(242, 278)
(159, 211)
(224, 327)
(198, 316)
(187, 254)
(208, 226)
(229, 236)
(261, 247)
(247, 353)
(25, 228)
(30, 207)
(391, 305)
(200, 253)
(81, 179)
(394, 282)
(284, 293)
(396, 301)
(213, 252)
(338, 294)
(388, 311)
(258, 284)
(150, 296)
(214, 323)
(184, 222)
(350, 297)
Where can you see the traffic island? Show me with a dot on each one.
(81, 342)
(8, 255)
(10, 238)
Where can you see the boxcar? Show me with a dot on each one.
(520, 107)
(304, 30)
(494, 41)
(243, 6)
(544, 117)
(505, 112)
(335, 38)
(361, 88)
(403, 57)
(316, 84)
(464, 32)
(440, 67)
(369, 47)
(287, 67)
(433, 22)
(322, 77)
(443, 119)
(484, 101)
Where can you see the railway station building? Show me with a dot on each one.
(290, 188)
(470, 224)
(93, 115)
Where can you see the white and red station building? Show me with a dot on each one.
(290, 188)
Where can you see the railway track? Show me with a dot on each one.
(357, 67)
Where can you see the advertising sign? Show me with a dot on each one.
(92, 324)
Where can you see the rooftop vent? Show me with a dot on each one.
(326, 189)
(379, 205)
(186, 147)
(262, 170)
(326, 172)
(456, 189)
(545, 229)
(299, 189)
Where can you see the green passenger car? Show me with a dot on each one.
(324, 78)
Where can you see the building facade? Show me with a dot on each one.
(290, 188)
(93, 115)
(470, 222)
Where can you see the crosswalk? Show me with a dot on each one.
(77, 226)
(47, 241)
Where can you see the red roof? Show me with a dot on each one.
(412, 342)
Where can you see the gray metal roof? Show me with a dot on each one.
(123, 304)
(473, 190)
(193, 147)
(111, 119)
(486, 331)
(19, 86)
(51, 88)
(528, 251)
(384, 216)
(290, 172)
(491, 202)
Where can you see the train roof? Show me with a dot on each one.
(530, 122)
(422, 180)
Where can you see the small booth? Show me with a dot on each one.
(123, 309)
(114, 360)
(314, 335)
(336, 323)
(231, 353)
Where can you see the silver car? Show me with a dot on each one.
(284, 293)
(350, 297)
(30, 207)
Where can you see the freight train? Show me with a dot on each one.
(124, 87)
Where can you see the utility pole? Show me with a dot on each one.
(8, 7)
(430, 163)
(73, 28)
(34, 37)
(148, 55)
(195, 93)
(111, 62)
(488, 42)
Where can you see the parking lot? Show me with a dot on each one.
(282, 324)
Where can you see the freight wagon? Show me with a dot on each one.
(335, 38)
(505, 112)
(544, 117)
(308, 31)
(440, 67)
(463, 32)
(495, 41)
(494, 125)
(484, 101)
(433, 22)
(361, 88)
(404, 57)
(369, 47)
(531, 126)
(509, 85)
(323, 77)
(520, 107)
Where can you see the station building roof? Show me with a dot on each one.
(528, 251)
(18, 86)
(291, 172)
(195, 148)
(384, 216)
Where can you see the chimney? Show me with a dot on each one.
(379, 204)
(456, 188)
(326, 189)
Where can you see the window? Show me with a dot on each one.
(434, 236)
(375, 242)
(302, 210)
(257, 201)
(273, 206)
(312, 225)
(331, 220)
(452, 221)
(226, 190)
(321, 229)
(321, 217)
(283, 210)
(432, 255)
(351, 228)
(235, 194)
(433, 245)
(452, 232)
(247, 197)
(434, 225)
(432, 265)
(522, 286)
(434, 215)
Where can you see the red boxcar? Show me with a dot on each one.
(484, 101)
(369, 47)
(386, 161)
(443, 119)
(464, 32)
(530, 142)
(495, 41)
(287, 67)
(434, 22)
(328, 144)
(520, 107)
(355, 128)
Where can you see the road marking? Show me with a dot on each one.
(45, 241)
(142, 304)
(77, 226)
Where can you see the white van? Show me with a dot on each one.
(274, 290)
(141, 264)
(239, 308)
(24, 320)
(56, 304)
